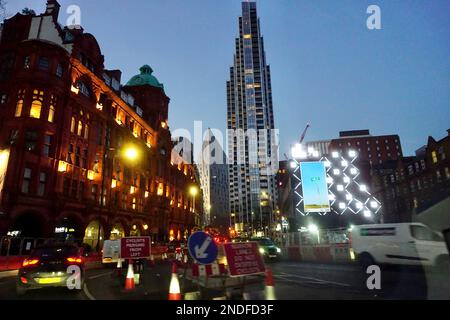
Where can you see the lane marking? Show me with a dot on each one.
(100, 275)
(316, 279)
(87, 293)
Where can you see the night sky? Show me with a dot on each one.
(327, 67)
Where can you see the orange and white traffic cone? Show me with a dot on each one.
(270, 290)
(129, 281)
(174, 288)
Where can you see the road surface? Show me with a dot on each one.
(293, 281)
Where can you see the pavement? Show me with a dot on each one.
(293, 281)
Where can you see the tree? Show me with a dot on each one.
(28, 11)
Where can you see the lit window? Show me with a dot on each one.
(86, 131)
(19, 107)
(160, 191)
(434, 157)
(35, 110)
(51, 113)
(80, 127)
(72, 125)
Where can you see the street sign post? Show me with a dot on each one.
(202, 248)
(135, 248)
(243, 259)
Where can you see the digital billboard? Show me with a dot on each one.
(315, 188)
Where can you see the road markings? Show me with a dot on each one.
(87, 293)
(100, 275)
(321, 281)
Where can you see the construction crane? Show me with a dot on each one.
(302, 137)
(304, 133)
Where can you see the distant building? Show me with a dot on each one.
(250, 110)
(184, 148)
(373, 149)
(322, 146)
(213, 171)
(409, 185)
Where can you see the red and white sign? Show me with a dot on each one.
(244, 258)
(202, 270)
(135, 248)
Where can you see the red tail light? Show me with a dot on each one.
(75, 260)
(30, 262)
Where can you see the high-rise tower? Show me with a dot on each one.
(252, 141)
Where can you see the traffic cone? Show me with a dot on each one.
(270, 290)
(174, 288)
(129, 281)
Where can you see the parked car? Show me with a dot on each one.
(47, 266)
(267, 248)
(398, 243)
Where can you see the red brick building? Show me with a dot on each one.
(77, 149)
(409, 185)
(373, 149)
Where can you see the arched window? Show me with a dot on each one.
(72, 125)
(51, 109)
(19, 107)
(36, 105)
(80, 127)
(35, 110)
(19, 104)
(86, 131)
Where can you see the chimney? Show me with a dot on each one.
(53, 9)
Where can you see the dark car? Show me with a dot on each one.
(48, 266)
(268, 249)
(176, 246)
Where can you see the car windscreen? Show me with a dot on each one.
(264, 242)
(425, 234)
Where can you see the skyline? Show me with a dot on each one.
(401, 69)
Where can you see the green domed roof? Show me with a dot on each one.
(144, 78)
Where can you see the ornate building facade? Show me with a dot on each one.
(82, 156)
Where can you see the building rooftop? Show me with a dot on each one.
(145, 78)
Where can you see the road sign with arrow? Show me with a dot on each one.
(202, 247)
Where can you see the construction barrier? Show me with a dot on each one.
(338, 253)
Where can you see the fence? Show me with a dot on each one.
(330, 245)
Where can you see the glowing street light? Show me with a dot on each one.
(312, 228)
(193, 191)
(131, 153)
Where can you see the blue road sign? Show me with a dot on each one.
(202, 247)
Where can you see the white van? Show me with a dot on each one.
(111, 251)
(398, 243)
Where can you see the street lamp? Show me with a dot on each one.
(314, 229)
(193, 192)
(130, 153)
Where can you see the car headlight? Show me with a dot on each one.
(278, 250)
(261, 250)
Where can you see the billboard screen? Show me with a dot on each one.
(315, 188)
